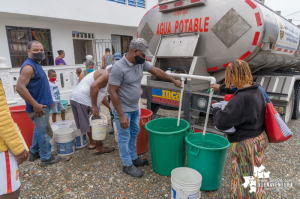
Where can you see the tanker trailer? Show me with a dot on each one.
(202, 37)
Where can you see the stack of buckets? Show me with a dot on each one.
(63, 138)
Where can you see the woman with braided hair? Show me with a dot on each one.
(246, 112)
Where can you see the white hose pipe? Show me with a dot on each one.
(180, 102)
(211, 79)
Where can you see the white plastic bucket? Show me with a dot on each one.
(98, 128)
(65, 141)
(186, 183)
(63, 124)
(52, 141)
(80, 138)
(115, 131)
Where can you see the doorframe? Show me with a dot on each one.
(93, 46)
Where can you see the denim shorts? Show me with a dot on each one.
(57, 107)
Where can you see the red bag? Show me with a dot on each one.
(275, 127)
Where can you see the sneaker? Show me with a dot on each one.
(140, 162)
(52, 160)
(133, 171)
(33, 157)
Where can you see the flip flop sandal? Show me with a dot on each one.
(91, 148)
(106, 150)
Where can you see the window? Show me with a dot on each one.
(18, 38)
(136, 3)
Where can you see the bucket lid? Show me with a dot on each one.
(64, 122)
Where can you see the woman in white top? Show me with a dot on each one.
(85, 98)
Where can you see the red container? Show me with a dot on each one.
(142, 142)
(24, 123)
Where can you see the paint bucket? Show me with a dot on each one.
(52, 141)
(98, 128)
(80, 138)
(65, 141)
(63, 124)
(186, 183)
(115, 131)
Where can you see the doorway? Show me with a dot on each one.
(123, 43)
(82, 48)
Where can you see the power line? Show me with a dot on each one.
(292, 13)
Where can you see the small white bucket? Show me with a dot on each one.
(98, 128)
(65, 141)
(115, 131)
(186, 183)
(52, 141)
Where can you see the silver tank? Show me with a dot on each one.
(229, 30)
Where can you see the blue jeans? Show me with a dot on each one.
(127, 138)
(42, 135)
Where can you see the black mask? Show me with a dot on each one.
(40, 56)
(139, 60)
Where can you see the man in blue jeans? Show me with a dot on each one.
(124, 87)
(34, 88)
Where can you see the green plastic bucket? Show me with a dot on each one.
(207, 157)
(167, 145)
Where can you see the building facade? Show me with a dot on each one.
(79, 28)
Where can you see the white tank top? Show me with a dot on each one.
(81, 93)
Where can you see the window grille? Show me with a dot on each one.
(18, 38)
(136, 3)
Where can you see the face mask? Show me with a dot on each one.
(52, 79)
(90, 70)
(40, 56)
(139, 60)
(233, 87)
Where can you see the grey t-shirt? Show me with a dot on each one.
(128, 76)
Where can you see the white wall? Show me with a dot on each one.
(61, 34)
(97, 11)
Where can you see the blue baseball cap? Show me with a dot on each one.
(117, 55)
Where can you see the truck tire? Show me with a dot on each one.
(296, 112)
(289, 109)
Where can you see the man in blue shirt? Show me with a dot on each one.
(34, 88)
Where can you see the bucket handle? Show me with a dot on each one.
(100, 114)
(194, 153)
(186, 193)
(189, 132)
(144, 121)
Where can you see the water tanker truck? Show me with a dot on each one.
(202, 37)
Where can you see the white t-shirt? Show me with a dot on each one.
(81, 93)
(54, 92)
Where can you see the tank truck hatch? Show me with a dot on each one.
(175, 54)
(171, 5)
